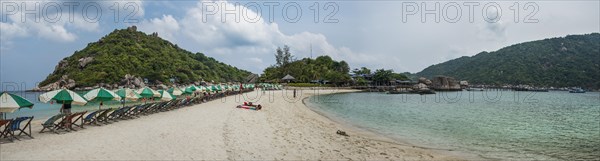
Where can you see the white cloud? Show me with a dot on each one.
(57, 23)
(254, 40)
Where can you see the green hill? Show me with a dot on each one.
(128, 51)
(573, 60)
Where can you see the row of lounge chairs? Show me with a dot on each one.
(75, 121)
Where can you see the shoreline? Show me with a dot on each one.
(284, 129)
(376, 136)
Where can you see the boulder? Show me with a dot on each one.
(85, 61)
(162, 87)
(420, 87)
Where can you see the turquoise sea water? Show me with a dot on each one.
(554, 125)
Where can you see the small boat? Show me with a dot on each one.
(577, 90)
(474, 89)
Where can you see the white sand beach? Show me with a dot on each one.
(284, 130)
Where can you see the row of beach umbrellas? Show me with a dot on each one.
(11, 102)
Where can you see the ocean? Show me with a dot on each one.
(554, 125)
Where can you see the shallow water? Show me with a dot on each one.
(554, 125)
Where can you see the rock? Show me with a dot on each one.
(420, 87)
(445, 83)
(85, 61)
(424, 81)
(132, 28)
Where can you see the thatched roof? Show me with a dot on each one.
(288, 77)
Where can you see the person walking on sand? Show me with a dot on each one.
(66, 108)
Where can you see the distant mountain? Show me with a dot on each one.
(128, 51)
(568, 61)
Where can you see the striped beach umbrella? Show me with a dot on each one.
(175, 91)
(63, 96)
(101, 94)
(128, 94)
(148, 92)
(166, 96)
(11, 102)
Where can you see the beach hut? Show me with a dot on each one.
(288, 78)
(11, 102)
(101, 94)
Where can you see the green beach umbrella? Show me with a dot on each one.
(175, 91)
(213, 88)
(101, 94)
(11, 102)
(166, 96)
(128, 94)
(63, 96)
(192, 87)
(188, 91)
(148, 92)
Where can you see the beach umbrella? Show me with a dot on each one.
(148, 92)
(192, 88)
(201, 88)
(175, 91)
(166, 96)
(63, 96)
(188, 91)
(128, 94)
(11, 102)
(101, 94)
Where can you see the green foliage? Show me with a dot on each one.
(131, 52)
(362, 70)
(560, 62)
(308, 85)
(305, 70)
(382, 76)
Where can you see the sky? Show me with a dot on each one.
(406, 36)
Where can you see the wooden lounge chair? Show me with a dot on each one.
(4, 133)
(66, 122)
(15, 126)
(92, 117)
(51, 124)
(78, 117)
(103, 117)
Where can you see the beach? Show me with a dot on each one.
(285, 129)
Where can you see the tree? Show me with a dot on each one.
(279, 57)
(382, 76)
(362, 70)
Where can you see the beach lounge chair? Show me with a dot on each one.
(92, 117)
(50, 123)
(67, 122)
(103, 117)
(4, 133)
(78, 117)
(15, 126)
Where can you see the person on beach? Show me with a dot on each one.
(66, 108)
